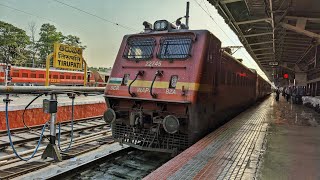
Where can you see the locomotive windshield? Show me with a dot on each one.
(175, 48)
(139, 48)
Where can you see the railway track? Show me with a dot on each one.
(86, 131)
(89, 134)
(128, 163)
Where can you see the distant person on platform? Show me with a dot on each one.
(284, 92)
(277, 94)
(288, 93)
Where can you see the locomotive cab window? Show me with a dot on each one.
(139, 48)
(175, 48)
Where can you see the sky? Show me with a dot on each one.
(100, 32)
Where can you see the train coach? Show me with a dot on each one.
(169, 87)
(27, 76)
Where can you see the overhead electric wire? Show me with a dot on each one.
(208, 13)
(25, 12)
(101, 18)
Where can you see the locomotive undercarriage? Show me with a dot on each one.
(153, 139)
(146, 129)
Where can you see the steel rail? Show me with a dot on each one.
(21, 140)
(39, 153)
(87, 137)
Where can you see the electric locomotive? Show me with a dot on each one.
(170, 86)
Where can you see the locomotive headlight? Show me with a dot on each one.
(171, 124)
(173, 81)
(109, 115)
(161, 25)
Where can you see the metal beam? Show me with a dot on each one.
(49, 89)
(297, 44)
(266, 61)
(315, 20)
(259, 49)
(254, 21)
(265, 57)
(229, 1)
(305, 53)
(259, 34)
(273, 26)
(226, 13)
(259, 43)
(264, 54)
(301, 31)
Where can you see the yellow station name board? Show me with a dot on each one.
(67, 57)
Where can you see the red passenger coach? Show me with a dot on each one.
(25, 76)
(169, 87)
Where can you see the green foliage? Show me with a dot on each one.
(27, 48)
(73, 41)
(48, 36)
(13, 43)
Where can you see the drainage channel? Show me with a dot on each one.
(128, 163)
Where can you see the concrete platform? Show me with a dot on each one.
(85, 107)
(272, 140)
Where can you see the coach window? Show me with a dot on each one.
(41, 75)
(24, 75)
(79, 77)
(15, 74)
(74, 77)
(175, 48)
(55, 76)
(61, 76)
(139, 48)
(67, 77)
(33, 75)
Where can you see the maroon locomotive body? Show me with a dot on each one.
(170, 87)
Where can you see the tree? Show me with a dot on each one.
(48, 36)
(13, 43)
(73, 41)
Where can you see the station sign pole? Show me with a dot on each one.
(85, 73)
(48, 68)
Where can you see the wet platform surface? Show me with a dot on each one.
(271, 140)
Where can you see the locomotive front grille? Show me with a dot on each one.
(146, 139)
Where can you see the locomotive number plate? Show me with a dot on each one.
(153, 63)
(143, 90)
(114, 88)
(171, 91)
